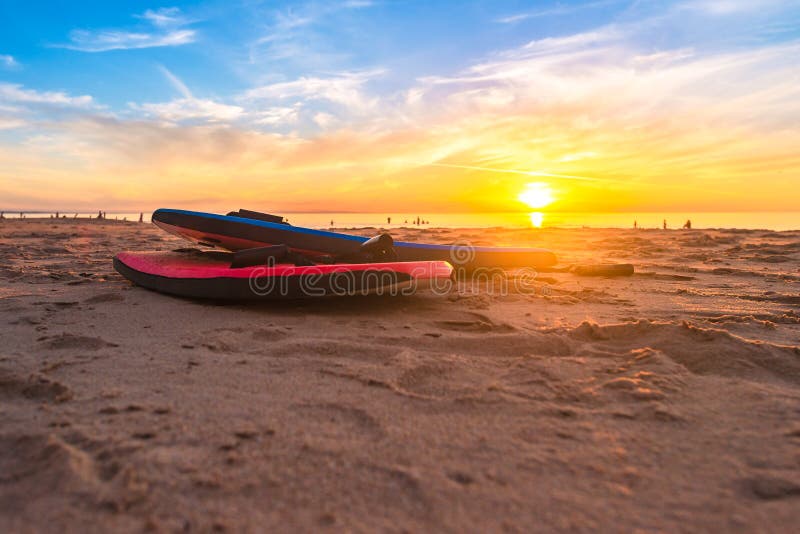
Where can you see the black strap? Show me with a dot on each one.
(378, 249)
(257, 215)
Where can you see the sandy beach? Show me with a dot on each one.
(665, 401)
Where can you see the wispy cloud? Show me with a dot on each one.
(164, 17)
(556, 10)
(605, 70)
(323, 120)
(190, 109)
(15, 93)
(164, 27)
(8, 61)
(187, 109)
(734, 7)
(176, 82)
(511, 19)
(276, 115)
(291, 19)
(295, 34)
(357, 4)
(345, 89)
(10, 123)
(21, 107)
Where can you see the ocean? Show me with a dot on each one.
(542, 219)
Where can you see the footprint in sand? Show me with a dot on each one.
(35, 387)
(270, 334)
(104, 297)
(465, 326)
(443, 377)
(474, 322)
(770, 488)
(27, 320)
(702, 351)
(47, 461)
(338, 425)
(50, 464)
(70, 341)
(402, 488)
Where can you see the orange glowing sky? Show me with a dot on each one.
(620, 114)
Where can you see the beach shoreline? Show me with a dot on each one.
(667, 400)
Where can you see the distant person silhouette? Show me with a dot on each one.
(688, 225)
(141, 217)
(388, 220)
(665, 224)
(331, 223)
(635, 225)
(99, 214)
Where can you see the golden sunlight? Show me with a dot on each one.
(537, 195)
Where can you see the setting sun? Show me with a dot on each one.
(537, 195)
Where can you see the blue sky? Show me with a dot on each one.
(235, 75)
(233, 38)
(117, 51)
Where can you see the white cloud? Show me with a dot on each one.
(165, 16)
(176, 82)
(610, 74)
(663, 57)
(345, 89)
(9, 123)
(85, 41)
(17, 94)
(20, 107)
(294, 35)
(554, 11)
(511, 19)
(8, 61)
(357, 4)
(323, 120)
(276, 116)
(528, 62)
(290, 19)
(567, 43)
(186, 109)
(192, 109)
(189, 108)
(166, 30)
(732, 7)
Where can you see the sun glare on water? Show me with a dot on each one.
(537, 195)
